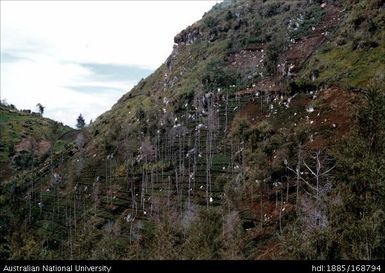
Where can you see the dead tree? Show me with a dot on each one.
(212, 127)
(316, 180)
(319, 171)
(297, 170)
(226, 110)
(146, 155)
(95, 194)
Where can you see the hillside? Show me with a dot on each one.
(260, 137)
(26, 138)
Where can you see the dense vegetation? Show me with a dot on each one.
(26, 137)
(260, 137)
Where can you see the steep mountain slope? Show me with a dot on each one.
(249, 142)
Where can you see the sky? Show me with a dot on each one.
(81, 56)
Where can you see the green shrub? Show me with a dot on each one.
(218, 76)
(23, 160)
(275, 47)
(203, 237)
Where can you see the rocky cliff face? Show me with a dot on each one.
(228, 150)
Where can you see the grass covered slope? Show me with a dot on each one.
(239, 146)
(355, 55)
(25, 138)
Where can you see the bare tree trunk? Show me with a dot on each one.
(107, 182)
(287, 191)
(30, 206)
(207, 168)
(226, 110)
(41, 202)
(261, 205)
(280, 214)
(276, 198)
(75, 212)
(298, 172)
(152, 189)
(70, 235)
(168, 193)
(177, 185)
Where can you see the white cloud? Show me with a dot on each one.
(48, 41)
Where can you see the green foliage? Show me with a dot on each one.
(162, 240)
(80, 123)
(218, 76)
(220, 182)
(59, 146)
(263, 131)
(312, 17)
(211, 54)
(203, 237)
(270, 9)
(229, 15)
(23, 160)
(371, 121)
(275, 47)
(183, 99)
(356, 216)
(241, 129)
(52, 234)
(210, 22)
(140, 114)
(355, 53)
(360, 216)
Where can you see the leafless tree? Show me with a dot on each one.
(317, 182)
(297, 170)
(319, 172)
